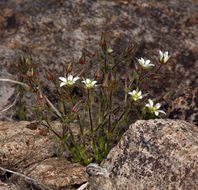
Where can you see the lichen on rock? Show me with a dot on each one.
(156, 155)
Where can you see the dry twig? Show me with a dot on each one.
(27, 178)
(27, 86)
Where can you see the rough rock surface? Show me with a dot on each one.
(26, 148)
(152, 155)
(22, 146)
(54, 33)
(185, 106)
(5, 186)
(57, 173)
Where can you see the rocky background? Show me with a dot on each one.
(55, 32)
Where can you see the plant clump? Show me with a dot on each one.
(100, 115)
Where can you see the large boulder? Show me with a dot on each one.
(151, 155)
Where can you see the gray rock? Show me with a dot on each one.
(151, 155)
(54, 33)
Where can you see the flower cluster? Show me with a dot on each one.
(145, 63)
(70, 81)
(154, 109)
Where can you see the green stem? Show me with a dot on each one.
(90, 116)
(110, 106)
(105, 64)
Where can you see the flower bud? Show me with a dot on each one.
(49, 76)
(69, 68)
(113, 80)
(103, 44)
(97, 74)
(95, 99)
(40, 96)
(30, 73)
(109, 50)
(105, 85)
(163, 57)
(75, 109)
(82, 60)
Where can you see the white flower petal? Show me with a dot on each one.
(130, 93)
(93, 83)
(134, 92)
(109, 50)
(158, 105)
(148, 61)
(76, 78)
(88, 81)
(63, 79)
(70, 77)
(150, 103)
(161, 111)
(161, 55)
(156, 113)
(62, 84)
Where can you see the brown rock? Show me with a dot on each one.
(21, 146)
(152, 155)
(57, 173)
(5, 186)
(24, 149)
(55, 32)
(185, 106)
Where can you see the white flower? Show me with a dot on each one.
(89, 83)
(163, 56)
(109, 50)
(154, 108)
(145, 63)
(69, 81)
(136, 95)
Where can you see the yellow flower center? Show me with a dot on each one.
(135, 96)
(154, 109)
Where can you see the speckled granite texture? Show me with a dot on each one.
(153, 155)
(185, 106)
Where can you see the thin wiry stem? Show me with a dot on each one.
(83, 186)
(90, 116)
(11, 105)
(52, 106)
(15, 82)
(27, 178)
(27, 86)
